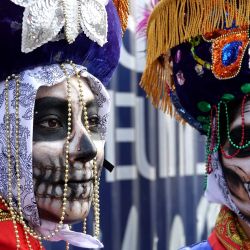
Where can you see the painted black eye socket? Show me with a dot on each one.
(94, 121)
(49, 128)
(243, 153)
(50, 119)
(236, 136)
(50, 123)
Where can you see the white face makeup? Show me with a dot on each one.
(237, 169)
(49, 140)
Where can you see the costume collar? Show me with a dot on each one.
(230, 232)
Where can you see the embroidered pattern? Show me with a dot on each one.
(229, 231)
(4, 215)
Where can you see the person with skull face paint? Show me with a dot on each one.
(53, 116)
(201, 50)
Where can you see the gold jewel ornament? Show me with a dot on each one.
(227, 54)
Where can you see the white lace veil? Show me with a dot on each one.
(30, 81)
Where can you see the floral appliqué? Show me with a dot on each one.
(44, 19)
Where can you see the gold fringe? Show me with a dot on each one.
(157, 75)
(122, 7)
(174, 22)
(159, 81)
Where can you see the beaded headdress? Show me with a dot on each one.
(44, 43)
(198, 69)
(198, 63)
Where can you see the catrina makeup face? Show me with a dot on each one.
(49, 144)
(237, 169)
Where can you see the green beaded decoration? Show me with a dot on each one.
(195, 42)
(204, 106)
(227, 97)
(206, 127)
(208, 151)
(245, 88)
(247, 144)
(203, 119)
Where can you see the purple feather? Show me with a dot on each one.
(141, 28)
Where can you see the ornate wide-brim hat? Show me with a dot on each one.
(35, 33)
(197, 56)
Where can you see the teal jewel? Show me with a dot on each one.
(204, 106)
(245, 88)
(206, 127)
(201, 118)
(228, 97)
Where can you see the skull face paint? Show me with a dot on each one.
(49, 140)
(237, 169)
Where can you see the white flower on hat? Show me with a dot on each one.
(44, 19)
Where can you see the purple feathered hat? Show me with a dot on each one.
(27, 41)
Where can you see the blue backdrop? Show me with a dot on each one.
(153, 199)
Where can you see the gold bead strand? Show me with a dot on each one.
(18, 162)
(84, 226)
(81, 98)
(67, 243)
(10, 206)
(66, 176)
(64, 201)
(95, 200)
(67, 144)
(86, 123)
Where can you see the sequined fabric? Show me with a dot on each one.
(44, 19)
(195, 82)
(227, 53)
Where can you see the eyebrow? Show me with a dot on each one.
(46, 102)
(236, 132)
(91, 103)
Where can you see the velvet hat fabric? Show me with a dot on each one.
(199, 83)
(197, 56)
(100, 61)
